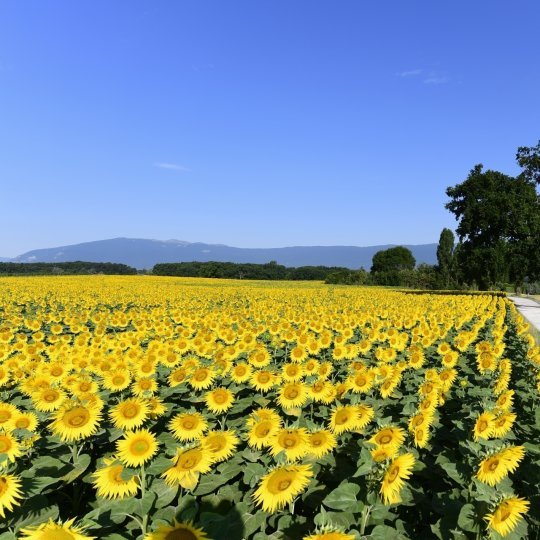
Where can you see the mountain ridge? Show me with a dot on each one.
(145, 253)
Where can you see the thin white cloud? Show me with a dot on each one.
(411, 73)
(436, 80)
(171, 167)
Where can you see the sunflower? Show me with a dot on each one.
(177, 531)
(365, 415)
(382, 453)
(293, 442)
(298, 354)
(55, 531)
(201, 379)
(329, 535)
(116, 380)
(394, 476)
(221, 444)
(219, 400)
(137, 447)
(281, 485)
(25, 420)
(75, 421)
(483, 426)
(188, 464)
(507, 514)
(156, 407)
(178, 376)
(319, 390)
(389, 437)
(7, 413)
(321, 443)
(110, 484)
(420, 419)
(144, 386)
(241, 372)
(9, 446)
(344, 418)
(261, 432)
(188, 426)
(360, 383)
(48, 399)
(502, 424)
(421, 436)
(129, 414)
(263, 380)
(497, 466)
(292, 372)
(10, 491)
(505, 400)
(292, 395)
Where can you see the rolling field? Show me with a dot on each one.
(181, 409)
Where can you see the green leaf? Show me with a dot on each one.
(81, 464)
(252, 521)
(36, 509)
(336, 519)
(344, 497)
(384, 532)
(211, 481)
(466, 518)
(164, 493)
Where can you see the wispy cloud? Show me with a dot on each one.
(171, 167)
(411, 73)
(436, 79)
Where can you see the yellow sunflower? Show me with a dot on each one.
(188, 464)
(321, 443)
(483, 426)
(221, 444)
(497, 466)
(137, 447)
(48, 399)
(281, 485)
(10, 491)
(329, 535)
(9, 446)
(502, 424)
(507, 514)
(292, 395)
(394, 476)
(202, 378)
(74, 421)
(109, 483)
(188, 426)
(129, 414)
(263, 380)
(55, 531)
(219, 400)
(261, 432)
(25, 420)
(7, 413)
(241, 372)
(344, 418)
(116, 380)
(177, 531)
(293, 442)
(389, 437)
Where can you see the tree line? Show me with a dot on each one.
(59, 268)
(229, 270)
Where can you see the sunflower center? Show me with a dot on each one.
(145, 385)
(200, 376)
(316, 441)
(482, 425)
(241, 370)
(385, 439)
(5, 445)
(189, 462)
(289, 441)
(4, 416)
(56, 534)
(220, 397)
(292, 393)
(342, 417)
(180, 534)
(56, 371)
(283, 485)
(50, 396)
(264, 377)
(76, 417)
(393, 474)
(262, 430)
(84, 386)
(118, 379)
(217, 444)
(188, 424)
(3, 486)
(504, 513)
(493, 465)
(140, 447)
(130, 410)
(22, 423)
(116, 474)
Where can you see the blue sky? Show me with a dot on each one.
(256, 123)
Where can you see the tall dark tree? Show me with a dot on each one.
(393, 259)
(445, 257)
(499, 223)
(528, 157)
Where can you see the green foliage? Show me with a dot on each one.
(229, 270)
(57, 268)
(348, 277)
(393, 260)
(445, 258)
(498, 229)
(529, 159)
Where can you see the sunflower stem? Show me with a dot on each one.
(365, 517)
(144, 523)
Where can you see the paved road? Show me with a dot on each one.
(529, 309)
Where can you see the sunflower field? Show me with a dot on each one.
(152, 408)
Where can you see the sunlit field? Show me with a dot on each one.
(183, 409)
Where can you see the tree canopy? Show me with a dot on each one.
(393, 259)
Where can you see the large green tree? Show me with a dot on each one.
(528, 157)
(498, 229)
(392, 259)
(445, 258)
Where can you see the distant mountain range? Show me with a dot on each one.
(142, 253)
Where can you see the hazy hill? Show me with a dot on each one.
(142, 253)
